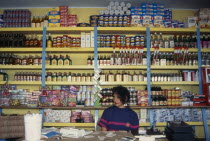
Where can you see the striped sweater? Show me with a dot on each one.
(115, 119)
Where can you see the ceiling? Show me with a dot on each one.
(175, 4)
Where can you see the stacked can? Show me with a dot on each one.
(66, 41)
(1, 20)
(17, 18)
(63, 16)
(94, 20)
(120, 41)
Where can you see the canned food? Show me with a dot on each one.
(94, 17)
(83, 25)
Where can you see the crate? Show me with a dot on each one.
(12, 127)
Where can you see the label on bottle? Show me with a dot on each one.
(33, 24)
(88, 79)
(54, 79)
(64, 78)
(1, 77)
(205, 45)
(166, 44)
(69, 79)
(54, 62)
(34, 78)
(47, 62)
(38, 24)
(49, 43)
(59, 78)
(135, 78)
(36, 61)
(78, 79)
(171, 44)
(111, 78)
(118, 77)
(49, 78)
(102, 78)
(60, 62)
(125, 78)
(141, 78)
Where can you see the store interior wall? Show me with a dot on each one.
(83, 16)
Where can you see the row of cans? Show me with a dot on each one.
(21, 13)
(120, 41)
(110, 20)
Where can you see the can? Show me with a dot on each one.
(118, 42)
(83, 25)
(127, 41)
(122, 40)
(99, 41)
(94, 17)
(113, 41)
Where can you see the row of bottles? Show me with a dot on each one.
(124, 76)
(177, 58)
(20, 40)
(205, 59)
(158, 97)
(63, 41)
(11, 59)
(28, 76)
(173, 41)
(39, 21)
(132, 57)
(58, 61)
(69, 77)
(189, 41)
(3, 76)
(158, 77)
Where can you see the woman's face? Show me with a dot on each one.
(117, 101)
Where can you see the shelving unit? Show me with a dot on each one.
(100, 30)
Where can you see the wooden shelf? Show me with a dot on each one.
(205, 50)
(28, 67)
(69, 83)
(160, 124)
(22, 82)
(70, 124)
(127, 67)
(123, 83)
(174, 67)
(72, 49)
(101, 108)
(153, 29)
(121, 30)
(75, 67)
(26, 49)
(176, 83)
(70, 28)
(205, 30)
(22, 29)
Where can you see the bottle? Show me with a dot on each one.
(152, 41)
(54, 77)
(67, 61)
(161, 43)
(118, 77)
(102, 77)
(156, 42)
(48, 59)
(42, 21)
(89, 60)
(54, 60)
(60, 77)
(49, 41)
(31, 42)
(46, 18)
(135, 77)
(208, 41)
(171, 42)
(125, 76)
(35, 44)
(65, 77)
(69, 77)
(110, 77)
(33, 22)
(166, 43)
(38, 22)
(60, 61)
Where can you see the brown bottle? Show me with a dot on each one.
(33, 22)
(35, 41)
(30, 60)
(60, 61)
(27, 41)
(31, 42)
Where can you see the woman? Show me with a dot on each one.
(119, 117)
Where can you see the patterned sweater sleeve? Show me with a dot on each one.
(103, 122)
(134, 121)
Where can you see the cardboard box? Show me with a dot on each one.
(92, 39)
(191, 22)
(83, 39)
(54, 17)
(54, 9)
(87, 40)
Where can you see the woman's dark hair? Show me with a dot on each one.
(122, 92)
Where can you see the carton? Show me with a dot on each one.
(83, 36)
(191, 22)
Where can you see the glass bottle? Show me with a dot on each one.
(49, 41)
